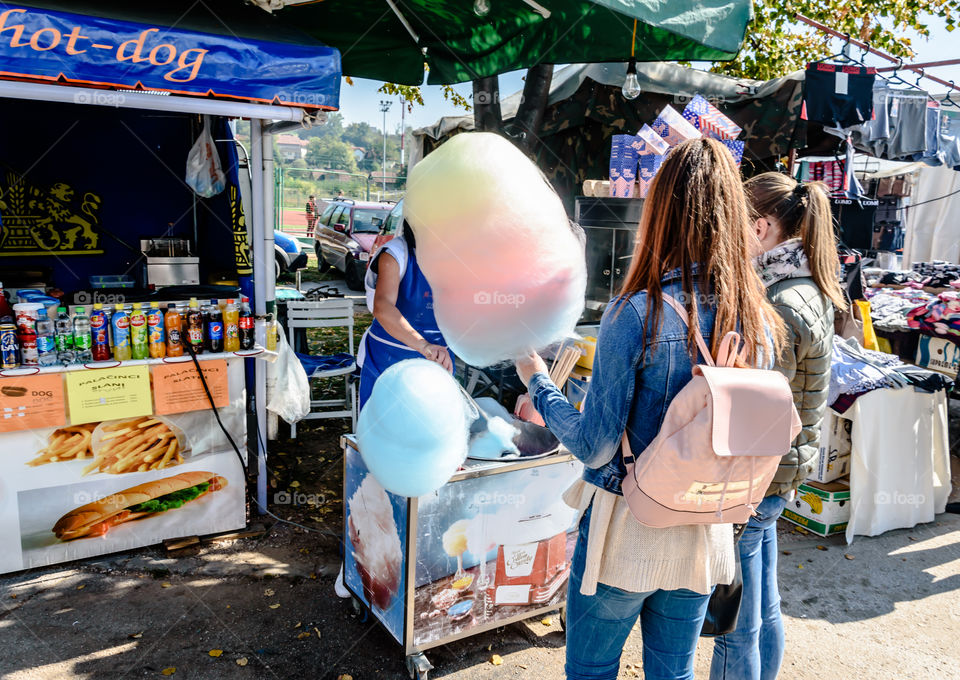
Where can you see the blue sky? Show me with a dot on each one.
(361, 101)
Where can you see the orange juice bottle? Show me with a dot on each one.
(173, 322)
(231, 326)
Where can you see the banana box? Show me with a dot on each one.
(822, 509)
(834, 459)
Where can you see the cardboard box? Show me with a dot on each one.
(938, 354)
(823, 509)
(834, 459)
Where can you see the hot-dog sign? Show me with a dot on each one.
(28, 402)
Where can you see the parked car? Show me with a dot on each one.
(344, 236)
(389, 228)
(289, 256)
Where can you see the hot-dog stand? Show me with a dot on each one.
(101, 113)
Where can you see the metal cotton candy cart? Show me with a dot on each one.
(491, 547)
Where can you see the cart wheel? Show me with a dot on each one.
(359, 609)
(563, 618)
(418, 667)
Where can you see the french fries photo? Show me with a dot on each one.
(136, 445)
(66, 443)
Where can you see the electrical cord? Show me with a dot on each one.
(931, 200)
(236, 449)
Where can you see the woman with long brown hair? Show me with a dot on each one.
(693, 243)
(798, 263)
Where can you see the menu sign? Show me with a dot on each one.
(31, 401)
(177, 387)
(108, 393)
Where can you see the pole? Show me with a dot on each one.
(883, 55)
(384, 107)
(259, 302)
(403, 130)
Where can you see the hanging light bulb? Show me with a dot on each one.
(481, 7)
(631, 86)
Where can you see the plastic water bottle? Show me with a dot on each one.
(46, 339)
(64, 339)
(81, 336)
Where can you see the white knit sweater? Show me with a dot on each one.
(625, 554)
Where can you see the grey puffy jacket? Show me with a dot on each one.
(805, 361)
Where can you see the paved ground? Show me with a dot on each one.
(892, 612)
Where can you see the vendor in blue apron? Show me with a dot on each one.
(402, 304)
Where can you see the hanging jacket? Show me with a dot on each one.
(806, 356)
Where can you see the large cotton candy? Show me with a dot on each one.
(506, 268)
(413, 429)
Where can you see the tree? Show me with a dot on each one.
(776, 44)
(331, 154)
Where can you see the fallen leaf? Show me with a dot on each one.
(242, 661)
(849, 556)
(268, 592)
(215, 653)
(821, 547)
(299, 623)
(136, 636)
(304, 551)
(281, 453)
(799, 566)
(786, 552)
(164, 585)
(313, 576)
(81, 586)
(520, 665)
(317, 632)
(496, 660)
(275, 605)
(294, 484)
(304, 635)
(345, 676)
(547, 620)
(168, 671)
(315, 518)
(13, 597)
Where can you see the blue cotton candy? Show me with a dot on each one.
(413, 429)
(495, 442)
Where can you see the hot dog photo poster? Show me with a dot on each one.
(71, 490)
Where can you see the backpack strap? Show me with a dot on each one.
(701, 343)
(727, 353)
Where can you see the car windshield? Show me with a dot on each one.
(368, 221)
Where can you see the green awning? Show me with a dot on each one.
(392, 39)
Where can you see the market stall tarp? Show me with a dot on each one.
(171, 47)
(932, 229)
(585, 109)
(459, 43)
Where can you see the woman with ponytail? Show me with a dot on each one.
(798, 263)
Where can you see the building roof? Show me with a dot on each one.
(292, 140)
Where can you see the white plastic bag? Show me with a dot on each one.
(204, 174)
(289, 397)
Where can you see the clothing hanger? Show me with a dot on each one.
(948, 100)
(843, 54)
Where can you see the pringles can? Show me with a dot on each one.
(9, 352)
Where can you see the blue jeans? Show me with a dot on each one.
(598, 626)
(754, 651)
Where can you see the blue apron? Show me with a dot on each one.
(415, 302)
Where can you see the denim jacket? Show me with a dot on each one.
(630, 390)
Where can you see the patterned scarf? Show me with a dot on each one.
(784, 261)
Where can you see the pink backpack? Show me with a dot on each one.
(719, 445)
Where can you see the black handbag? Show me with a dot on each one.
(723, 609)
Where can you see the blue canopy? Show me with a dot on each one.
(182, 50)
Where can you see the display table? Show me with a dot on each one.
(900, 466)
(75, 435)
(491, 547)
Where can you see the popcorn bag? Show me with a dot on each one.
(623, 166)
(708, 119)
(673, 127)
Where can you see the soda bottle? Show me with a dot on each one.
(195, 326)
(46, 339)
(138, 333)
(100, 334)
(81, 336)
(120, 323)
(247, 337)
(155, 324)
(28, 345)
(174, 325)
(64, 339)
(231, 326)
(6, 311)
(213, 320)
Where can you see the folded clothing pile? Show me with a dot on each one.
(938, 274)
(889, 307)
(940, 316)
